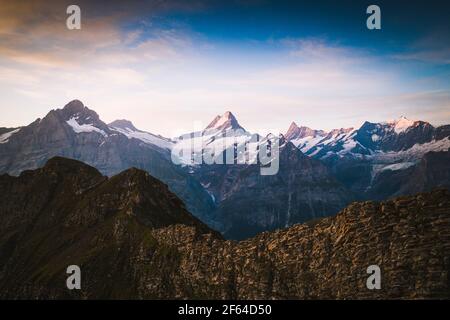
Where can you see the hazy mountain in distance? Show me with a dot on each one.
(362, 158)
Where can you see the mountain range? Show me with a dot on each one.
(319, 172)
(132, 238)
(365, 158)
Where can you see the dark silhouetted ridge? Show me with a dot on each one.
(133, 239)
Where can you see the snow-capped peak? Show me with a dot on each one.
(293, 130)
(402, 124)
(296, 132)
(80, 118)
(292, 127)
(224, 122)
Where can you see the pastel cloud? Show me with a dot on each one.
(123, 66)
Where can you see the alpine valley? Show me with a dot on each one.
(320, 172)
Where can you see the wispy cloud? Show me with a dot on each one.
(125, 66)
(433, 48)
(35, 33)
(436, 56)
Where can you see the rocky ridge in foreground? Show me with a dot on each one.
(133, 238)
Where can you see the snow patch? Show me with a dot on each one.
(306, 143)
(213, 142)
(4, 138)
(145, 137)
(79, 128)
(315, 151)
(398, 166)
(412, 154)
(348, 146)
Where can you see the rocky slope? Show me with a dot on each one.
(133, 238)
(248, 203)
(67, 212)
(431, 172)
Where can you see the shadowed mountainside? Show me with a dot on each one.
(133, 238)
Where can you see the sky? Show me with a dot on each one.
(170, 66)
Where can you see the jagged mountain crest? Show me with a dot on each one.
(296, 132)
(75, 117)
(394, 135)
(367, 159)
(75, 109)
(402, 124)
(80, 119)
(224, 122)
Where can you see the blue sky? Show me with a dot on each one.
(170, 65)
